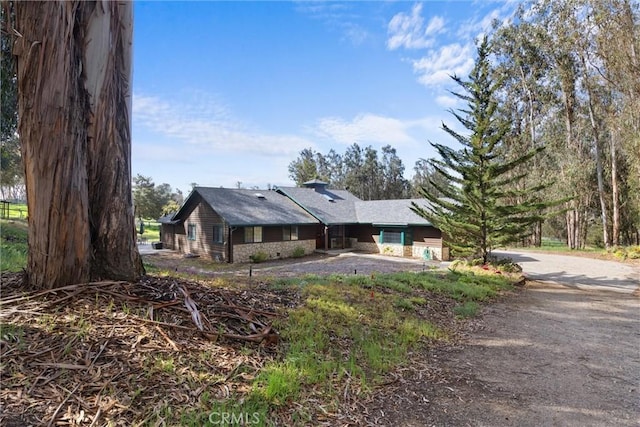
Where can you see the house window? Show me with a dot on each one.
(218, 234)
(253, 234)
(191, 232)
(392, 237)
(290, 232)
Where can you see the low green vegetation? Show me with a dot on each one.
(13, 245)
(351, 331)
(259, 257)
(151, 231)
(298, 252)
(625, 252)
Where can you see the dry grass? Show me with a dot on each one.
(116, 353)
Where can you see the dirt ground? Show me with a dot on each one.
(549, 356)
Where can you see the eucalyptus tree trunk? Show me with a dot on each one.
(615, 195)
(74, 69)
(598, 154)
(573, 214)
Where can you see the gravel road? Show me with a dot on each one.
(563, 352)
(583, 273)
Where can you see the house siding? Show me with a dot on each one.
(168, 236)
(205, 219)
(427, 244)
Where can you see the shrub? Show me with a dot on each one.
(298, 252)
(259, 256)
(634, 252)
(507, 264)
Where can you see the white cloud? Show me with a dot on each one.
(447, 101)
(442, 60)
(355, 33)
(208, 124)
(338, 16)
(435, 26)
(409, 31)
(437, 67)
(476, 27)
(373, 129)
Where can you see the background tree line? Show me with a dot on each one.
(362, 171)
(571, 76)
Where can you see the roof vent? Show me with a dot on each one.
(259, 195)
(328, 197)
(316, 184)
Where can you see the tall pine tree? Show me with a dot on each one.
(474, 209)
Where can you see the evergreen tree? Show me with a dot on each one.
(304, 168)
(475, 213)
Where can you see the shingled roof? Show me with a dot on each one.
(329, 206)
(240, 207)
(299, 206)
(333, 207)
(390, 212)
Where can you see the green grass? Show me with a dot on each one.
(355, 329)
(151, 230)
(17, 211)
(13, 245)
(467, 309)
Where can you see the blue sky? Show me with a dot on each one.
(233, 91)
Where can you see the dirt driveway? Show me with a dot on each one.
(344, 263)
(551, 355)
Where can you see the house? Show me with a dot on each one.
(233, 225)
(335, 211)
(392, 227)
(383, 226)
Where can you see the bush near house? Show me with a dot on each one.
(298, 252)
(259, 257)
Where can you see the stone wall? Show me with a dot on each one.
(426, 252)
(274, 250)
(415, 251)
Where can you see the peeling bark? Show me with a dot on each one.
(75, 134)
